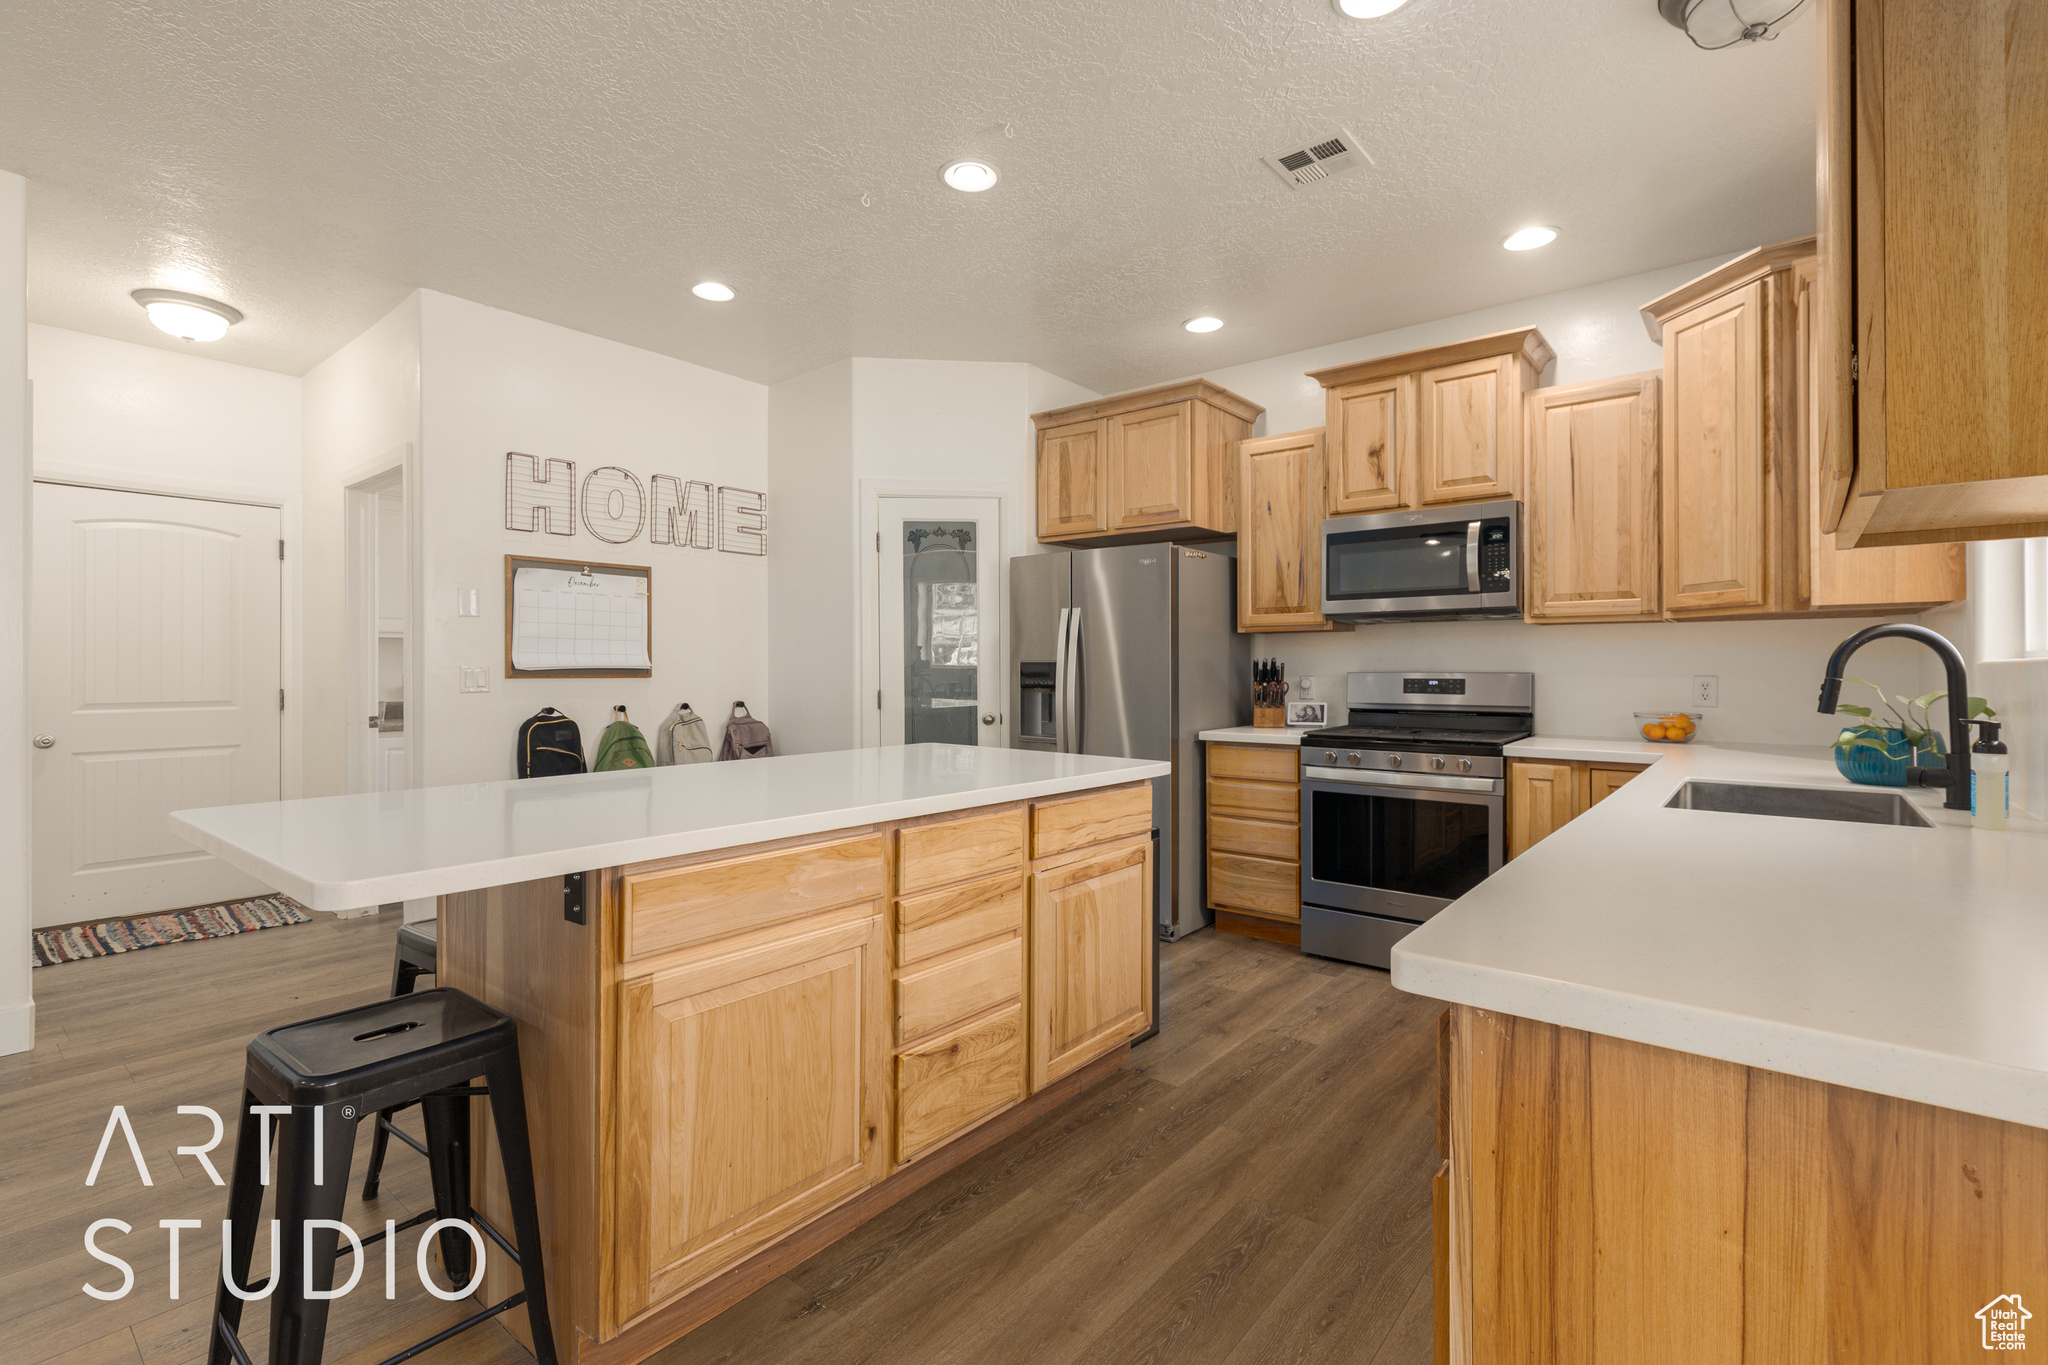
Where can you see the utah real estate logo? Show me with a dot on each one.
(2005, 1323)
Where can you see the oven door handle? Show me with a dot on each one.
(1402, 784)
(1471, 556)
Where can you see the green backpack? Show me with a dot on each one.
(622, 746)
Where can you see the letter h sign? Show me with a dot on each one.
(540, 496)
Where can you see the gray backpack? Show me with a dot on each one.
(746, 737)
(684, 739)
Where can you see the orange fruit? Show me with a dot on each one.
(1653, 732)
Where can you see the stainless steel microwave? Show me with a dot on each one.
(1453, 562)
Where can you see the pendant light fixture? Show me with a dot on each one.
(1715, 24)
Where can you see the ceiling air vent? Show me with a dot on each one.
(1318, 159)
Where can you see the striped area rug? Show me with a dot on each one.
(179, 926)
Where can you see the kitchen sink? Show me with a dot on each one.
(1856, 805)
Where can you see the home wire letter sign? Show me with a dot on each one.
(616, 506)
(564, 618)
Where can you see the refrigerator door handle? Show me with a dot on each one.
(1070, 723)
(1060, 684)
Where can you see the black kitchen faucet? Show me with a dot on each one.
(1956, 777)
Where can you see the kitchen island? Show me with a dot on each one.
(759, 1002)
(1725, 1087)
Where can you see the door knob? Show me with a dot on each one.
(988, 718)
(373, 722)
(45, 741)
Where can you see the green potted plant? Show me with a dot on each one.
(1878, 749)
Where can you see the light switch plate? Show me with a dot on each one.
(1706, 689)
(465, 604)
(475, 679)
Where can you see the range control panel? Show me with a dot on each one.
(1452, 687)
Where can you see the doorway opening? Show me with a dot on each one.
(938, 612)
(377, 598)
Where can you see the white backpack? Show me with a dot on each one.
(684, 739)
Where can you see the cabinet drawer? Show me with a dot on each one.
(957, 1079)
(684, 905)
(935, 855)
(1266, 885)
(1259, 763)
(1078, 821)
(941, 921)
(1256, 800)
(1260, 838)
(953, 988)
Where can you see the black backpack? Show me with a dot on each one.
(549, 745)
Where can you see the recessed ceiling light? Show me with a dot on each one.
(187, 317)
(1202, 324)
(972, 177)
(713, 290)
(1529, 238)
(1367, 9)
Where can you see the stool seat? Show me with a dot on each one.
(421, 941)
(400, 1039)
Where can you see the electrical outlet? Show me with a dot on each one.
(475, 679)
(1706, 689)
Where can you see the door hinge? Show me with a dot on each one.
(878, 542)
(878, 699)
(280, 699)
(1854, 366)
(280, 549)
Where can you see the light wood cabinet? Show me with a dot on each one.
(1431, 427)
(1935, 255)
(1280, 534)
(1544, 796)
(1253, 858)
(1740, 461)
(1091, 956)
(1590, 502)
(1152, 465)
(1073, 482)
(753, 1094)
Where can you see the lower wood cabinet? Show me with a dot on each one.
(1091, 956)
(753, 1094)
(1543, 796)
(1254, 839)
(953, 1080)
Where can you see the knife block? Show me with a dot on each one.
(1269, 717)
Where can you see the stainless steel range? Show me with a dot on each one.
(1403, 810)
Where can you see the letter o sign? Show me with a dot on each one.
(614, 504)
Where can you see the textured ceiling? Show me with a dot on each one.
(586, 161)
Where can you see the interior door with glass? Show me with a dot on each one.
(941, 616)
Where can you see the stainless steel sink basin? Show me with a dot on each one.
(1855, 805)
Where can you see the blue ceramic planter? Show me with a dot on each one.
(1888, 769)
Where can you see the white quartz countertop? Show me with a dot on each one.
(343, 852)
(1258, 734)
(1910, 962)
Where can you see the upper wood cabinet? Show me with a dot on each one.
(1740, 460)
(1590, 507)
(1280, 533)
(1935, 255)
(1073, 483)
(1142, 466)
(1429, 427)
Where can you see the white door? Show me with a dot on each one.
(941, 615)
(154, 673)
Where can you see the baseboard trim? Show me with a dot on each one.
(1259, 926)
(675, 1319)
(18, 1028)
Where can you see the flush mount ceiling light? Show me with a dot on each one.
(1366, 9)
(713, 291)
(1715, 24)
(187, 317)
(969, 177)
(1202, 324)
(1529, 238)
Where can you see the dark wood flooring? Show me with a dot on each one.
(1253, 1190)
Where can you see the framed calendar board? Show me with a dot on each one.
(576, 618)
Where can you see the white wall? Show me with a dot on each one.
(360, 410)
(812, 610)
(492, 382)
(137, 416)
(17, 1003)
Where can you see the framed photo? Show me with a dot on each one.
(1307, 713)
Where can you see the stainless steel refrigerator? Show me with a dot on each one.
(1130, 652)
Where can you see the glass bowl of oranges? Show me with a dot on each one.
(1668, 727)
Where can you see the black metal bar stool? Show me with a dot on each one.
(417, 955)
(333, 1072)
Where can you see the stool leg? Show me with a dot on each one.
(298, 1325)
(447, 1119)
(508, 1116)
(245, 1204)
(379, 1140)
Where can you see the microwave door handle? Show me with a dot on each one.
(1472, 556)
(1060, 685)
